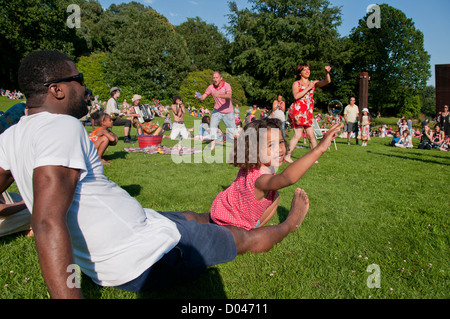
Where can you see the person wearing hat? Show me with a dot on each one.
(130, 112)
(365, 126)
(112, 109)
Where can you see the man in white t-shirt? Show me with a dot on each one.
(79, 216)
(351, 117)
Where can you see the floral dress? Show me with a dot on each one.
(365, 128)
(301, 111)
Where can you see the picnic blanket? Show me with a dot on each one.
(158, 149)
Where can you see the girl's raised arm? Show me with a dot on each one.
(298, 168)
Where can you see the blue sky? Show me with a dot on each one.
(430, 17)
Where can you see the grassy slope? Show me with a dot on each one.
(368, 205)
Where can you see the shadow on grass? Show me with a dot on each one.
(134, 190)
(282, 213)
(116, 155)
(208, 286)
(411, 158)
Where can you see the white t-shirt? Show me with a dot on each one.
(111, 107)
(114, 239)
(352, 113)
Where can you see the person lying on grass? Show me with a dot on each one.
(102, 136)
(80, 217)
(252, 199)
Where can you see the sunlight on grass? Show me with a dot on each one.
(368, 205)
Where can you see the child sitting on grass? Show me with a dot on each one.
(102, 136)
(147, 128)
(252, 199)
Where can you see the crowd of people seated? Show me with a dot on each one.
(12, 95)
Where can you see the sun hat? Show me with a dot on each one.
(136, 97)
(365, 110)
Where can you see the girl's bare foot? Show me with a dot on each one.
(299, 209)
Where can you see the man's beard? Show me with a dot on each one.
(78, 107)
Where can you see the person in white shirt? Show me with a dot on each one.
(79, 216)
(351, 115)
(112, 108)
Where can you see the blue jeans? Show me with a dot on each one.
(200, 246)
(228, 120)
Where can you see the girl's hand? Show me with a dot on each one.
(328, 69)
(329, 136)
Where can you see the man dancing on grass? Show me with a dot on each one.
(79, 216)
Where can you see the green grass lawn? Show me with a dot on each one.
(368, 205)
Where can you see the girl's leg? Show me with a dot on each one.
(263, 239)
(199, 218)
(270, 211)
(101, 144)
(293, 142)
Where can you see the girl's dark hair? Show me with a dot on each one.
(99, 116)
(244, 155)
(205, 119)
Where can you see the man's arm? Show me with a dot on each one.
(201, 97)
(11, 209)
(54, 190)
(6, 179)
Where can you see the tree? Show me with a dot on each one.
(29, 25)
(148, 57)
(206, 44)
(93, 68)
(395, 58)
(274, 36)
(428, 97)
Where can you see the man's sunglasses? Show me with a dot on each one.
(79, 78)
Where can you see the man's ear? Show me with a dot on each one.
(56, 91)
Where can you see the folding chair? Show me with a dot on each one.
(318, 132)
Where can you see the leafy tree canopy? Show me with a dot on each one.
(274, 36)
(395, 58)
(206, 45)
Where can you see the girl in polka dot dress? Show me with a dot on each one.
(252, 199)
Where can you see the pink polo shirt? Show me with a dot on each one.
(221, 105)
(237, 205)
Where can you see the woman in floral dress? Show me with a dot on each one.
(301, 111)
